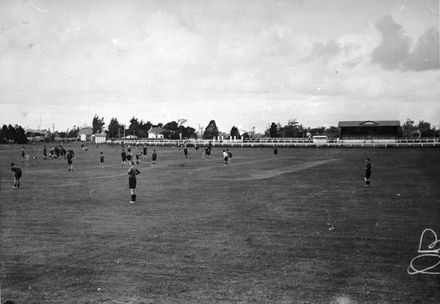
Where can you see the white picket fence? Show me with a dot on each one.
(289, 142)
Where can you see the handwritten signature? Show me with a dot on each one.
(429, 255)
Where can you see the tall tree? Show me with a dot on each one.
(425, 129)
(73, 132)
(211, 130)
(235, 133)
(98, 124)
(408, 128)
(114, 128)
(171, 130)
(290, 130)
(139, 128)
(273, 130)
(12, 133)
(21, 135)
(4, 135)
(188, 132)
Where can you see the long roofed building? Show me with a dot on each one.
(369, 129)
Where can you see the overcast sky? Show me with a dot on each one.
(240, 62)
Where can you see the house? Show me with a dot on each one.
(369, 129)
(155, 132)
(85, 134)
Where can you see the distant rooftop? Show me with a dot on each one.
(155, 130)
(370, 123)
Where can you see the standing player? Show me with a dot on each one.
(185, 152)
(44, 152)
(129, 156)
(101, 159)
(225, 157)
(17, 175)
(23, 155)
(229, 155)
(153, 158)
(132, 181)
(275, 152)
(367, 172)
(70, 155)
(124, 157)
(144, 152)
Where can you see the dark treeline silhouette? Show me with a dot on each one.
(13, 134)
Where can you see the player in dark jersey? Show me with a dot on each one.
(101, 159)
(123, 157)
(132, 172)
(154, 158)
(44, 152)
(17, 175)
(144, 152)
(57, 152)
(70, 154)
(185, 152)
(367, 172)
(275, 152)
(23, 155)
(229, 155)
(129, 156)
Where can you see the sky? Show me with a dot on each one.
(243, 63)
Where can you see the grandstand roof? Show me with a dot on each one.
(370, 123)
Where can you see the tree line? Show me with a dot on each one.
(138, 127)
(178, 130)
(13, 134)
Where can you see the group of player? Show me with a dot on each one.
(128, 159)
(128, 156)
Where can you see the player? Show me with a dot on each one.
(101, 159)
(23, 155)
(275, 152)
(185, 152)
(154, 158)
(62, 152)
(144, 152)
(70, 154)
(225, 157)
(132, 172)
(129, 156)
(123, 157)
(137, 157)
(229, 155)
(367, 172)
(208, 152)
(17, 175)
(44, 152)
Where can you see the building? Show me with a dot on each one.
(155, 132)
(369, 129)
(99, 138)
(85, 134)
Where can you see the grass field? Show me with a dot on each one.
(298, 229)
